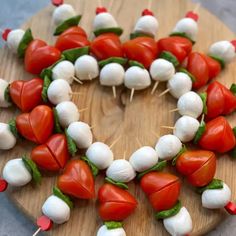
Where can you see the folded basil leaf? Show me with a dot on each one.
(116, 30)
(170, 57)
(113, 224)
(139, 34)
(119, 60)
(74, 53)
(118, 184)
(25, 41)
(57, 192)
(168, 213)
(183, 70)
(46, 83)
(184, 35)
(70, 144)
(92, 166)
(214, 184)
(136, 63)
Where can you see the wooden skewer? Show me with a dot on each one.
(138, 141)
(114, 142)
(76, 79)
(90, 77)
(131, 95)
(114, 91)
(37, 232)
(168, 127)
(174, 110)
(197, 8)
(202, 119)
(124, 155)
(149, 4)
(99, 3)
(154, 87)
(164, 92)
(83, 109)
(110, 5)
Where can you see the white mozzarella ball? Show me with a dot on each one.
(179, 84)
(62, 13)
(56, 210)
(137, 78)
(104, 20)
(168, 146)
(100, 155)
(64, 70)
(190, 104)
(7, 139)
(187, 26)
(179, 224)
(59, 91)
(86, 68)
(14, 38)
(16, 173)
(161, 70)
(112, 74)
(186, 128)
(216, 198)
(224, 50)
(143, 158)
(104, 231)
(121, 171)
(147, 25)
(3, 86)
(81, 134)
(67, 113)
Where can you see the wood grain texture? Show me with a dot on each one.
(112, 118)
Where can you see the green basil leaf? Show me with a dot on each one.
(136, 63)
(220, 60)
(57, 192)
(214, 184)
(13, 129)
(234, 130)
(158, 167)
(72, 148)
(233, 153)
(7, 96)
(233, 89)
(93, 167)
(57, 126)
(168, 213)
(116, 30)
(183, 70)
(46, 83)
(25, 41)
(184, 35)
(119, 60)
(73, 21)
(74, 53)
(118, 184)
(170, 57)
(200, 132)
(139, 34)
(33, 169)
(203, 96)
(182, 150)
(113, 224)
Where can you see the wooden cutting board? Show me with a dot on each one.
(114, 117)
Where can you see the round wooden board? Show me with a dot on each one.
(114, 117)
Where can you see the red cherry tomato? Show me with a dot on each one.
(74, 37)
(106, 45)
(162, 189)
(26, 94)
(198, 67)
(141, 49)
(218, 136)
(220, 100)
(180, 47)
(199, 166)
(77, 180)
(115, 203)
(36, 126)
(39, 56)
(214, 67)
(52, 155)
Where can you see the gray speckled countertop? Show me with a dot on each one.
(12, 14)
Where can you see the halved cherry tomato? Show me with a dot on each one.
(141, 49)
(52, 155)
(220, 100)
(106, 45)
(214, 67)
(36, 126)
(39, 56)
(77, 180)
(74, 37)
(180, 47)
(162, 189)
(218, 136)
(115, 203)
(26, 94)
(198, 165)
